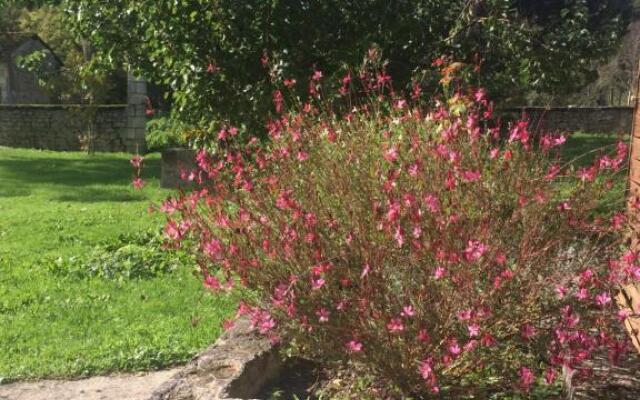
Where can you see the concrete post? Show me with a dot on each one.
(133, 139)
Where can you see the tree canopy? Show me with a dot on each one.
(209, 51)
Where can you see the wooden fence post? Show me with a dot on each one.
(629, 297)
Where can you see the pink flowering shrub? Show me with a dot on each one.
(425, 244)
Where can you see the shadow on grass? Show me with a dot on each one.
(88, 170)
(584, 148)
(94, 195)
(8, 191)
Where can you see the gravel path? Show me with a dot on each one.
(113, 387)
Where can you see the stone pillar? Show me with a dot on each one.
(133, 137)
(629, 297)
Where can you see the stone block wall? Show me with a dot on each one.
(117, 127)
(121, 127)
(605, 120)
(63, 127)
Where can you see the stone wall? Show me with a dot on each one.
(606, 120)
(64, 127)
(117, 127)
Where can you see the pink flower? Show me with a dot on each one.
(432, 203)
(354, 346)
(317, 75)
(470, 346)
(317, 283)
(474, 330)
(587, 174)
(261, 319)
(617, 221)
(278, 101)
(136, 161)
(540, 197)
(382, 78)
(571, 319)
(520, 132)
(552, 172)
(582, 294)
(266, 325)
(399, 237)
(528, 331)
(212, 283)
(624, 314)
(138, 183)
(173, 231)
(548, 141)
(605, 162)
(603, 299)
(564, 206)
(464, 315)
(426, 369)
(323, 315)
(440, 273)
(475, 249)
(549, 376)
(494, 153)
(487, 340)
(526, 378)
(391, 154)
(413, 169)
(213, 248)
(302, 156)
(407, 311)
(453, 347)
(561, 291)
(400, 104)
(394, 211)
(169, 206)
(332, 135)
(423, 336)
(395, 325)
(365, 271)
(471, 176)
(227, 324)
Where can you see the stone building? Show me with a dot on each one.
(17, 85)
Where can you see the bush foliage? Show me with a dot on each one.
(207, 51)
(165, 132)
(425, 243)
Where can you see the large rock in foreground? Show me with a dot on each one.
(237, 366)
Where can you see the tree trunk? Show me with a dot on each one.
(629, 297)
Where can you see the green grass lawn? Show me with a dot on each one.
(582, 149)
(58, 205)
